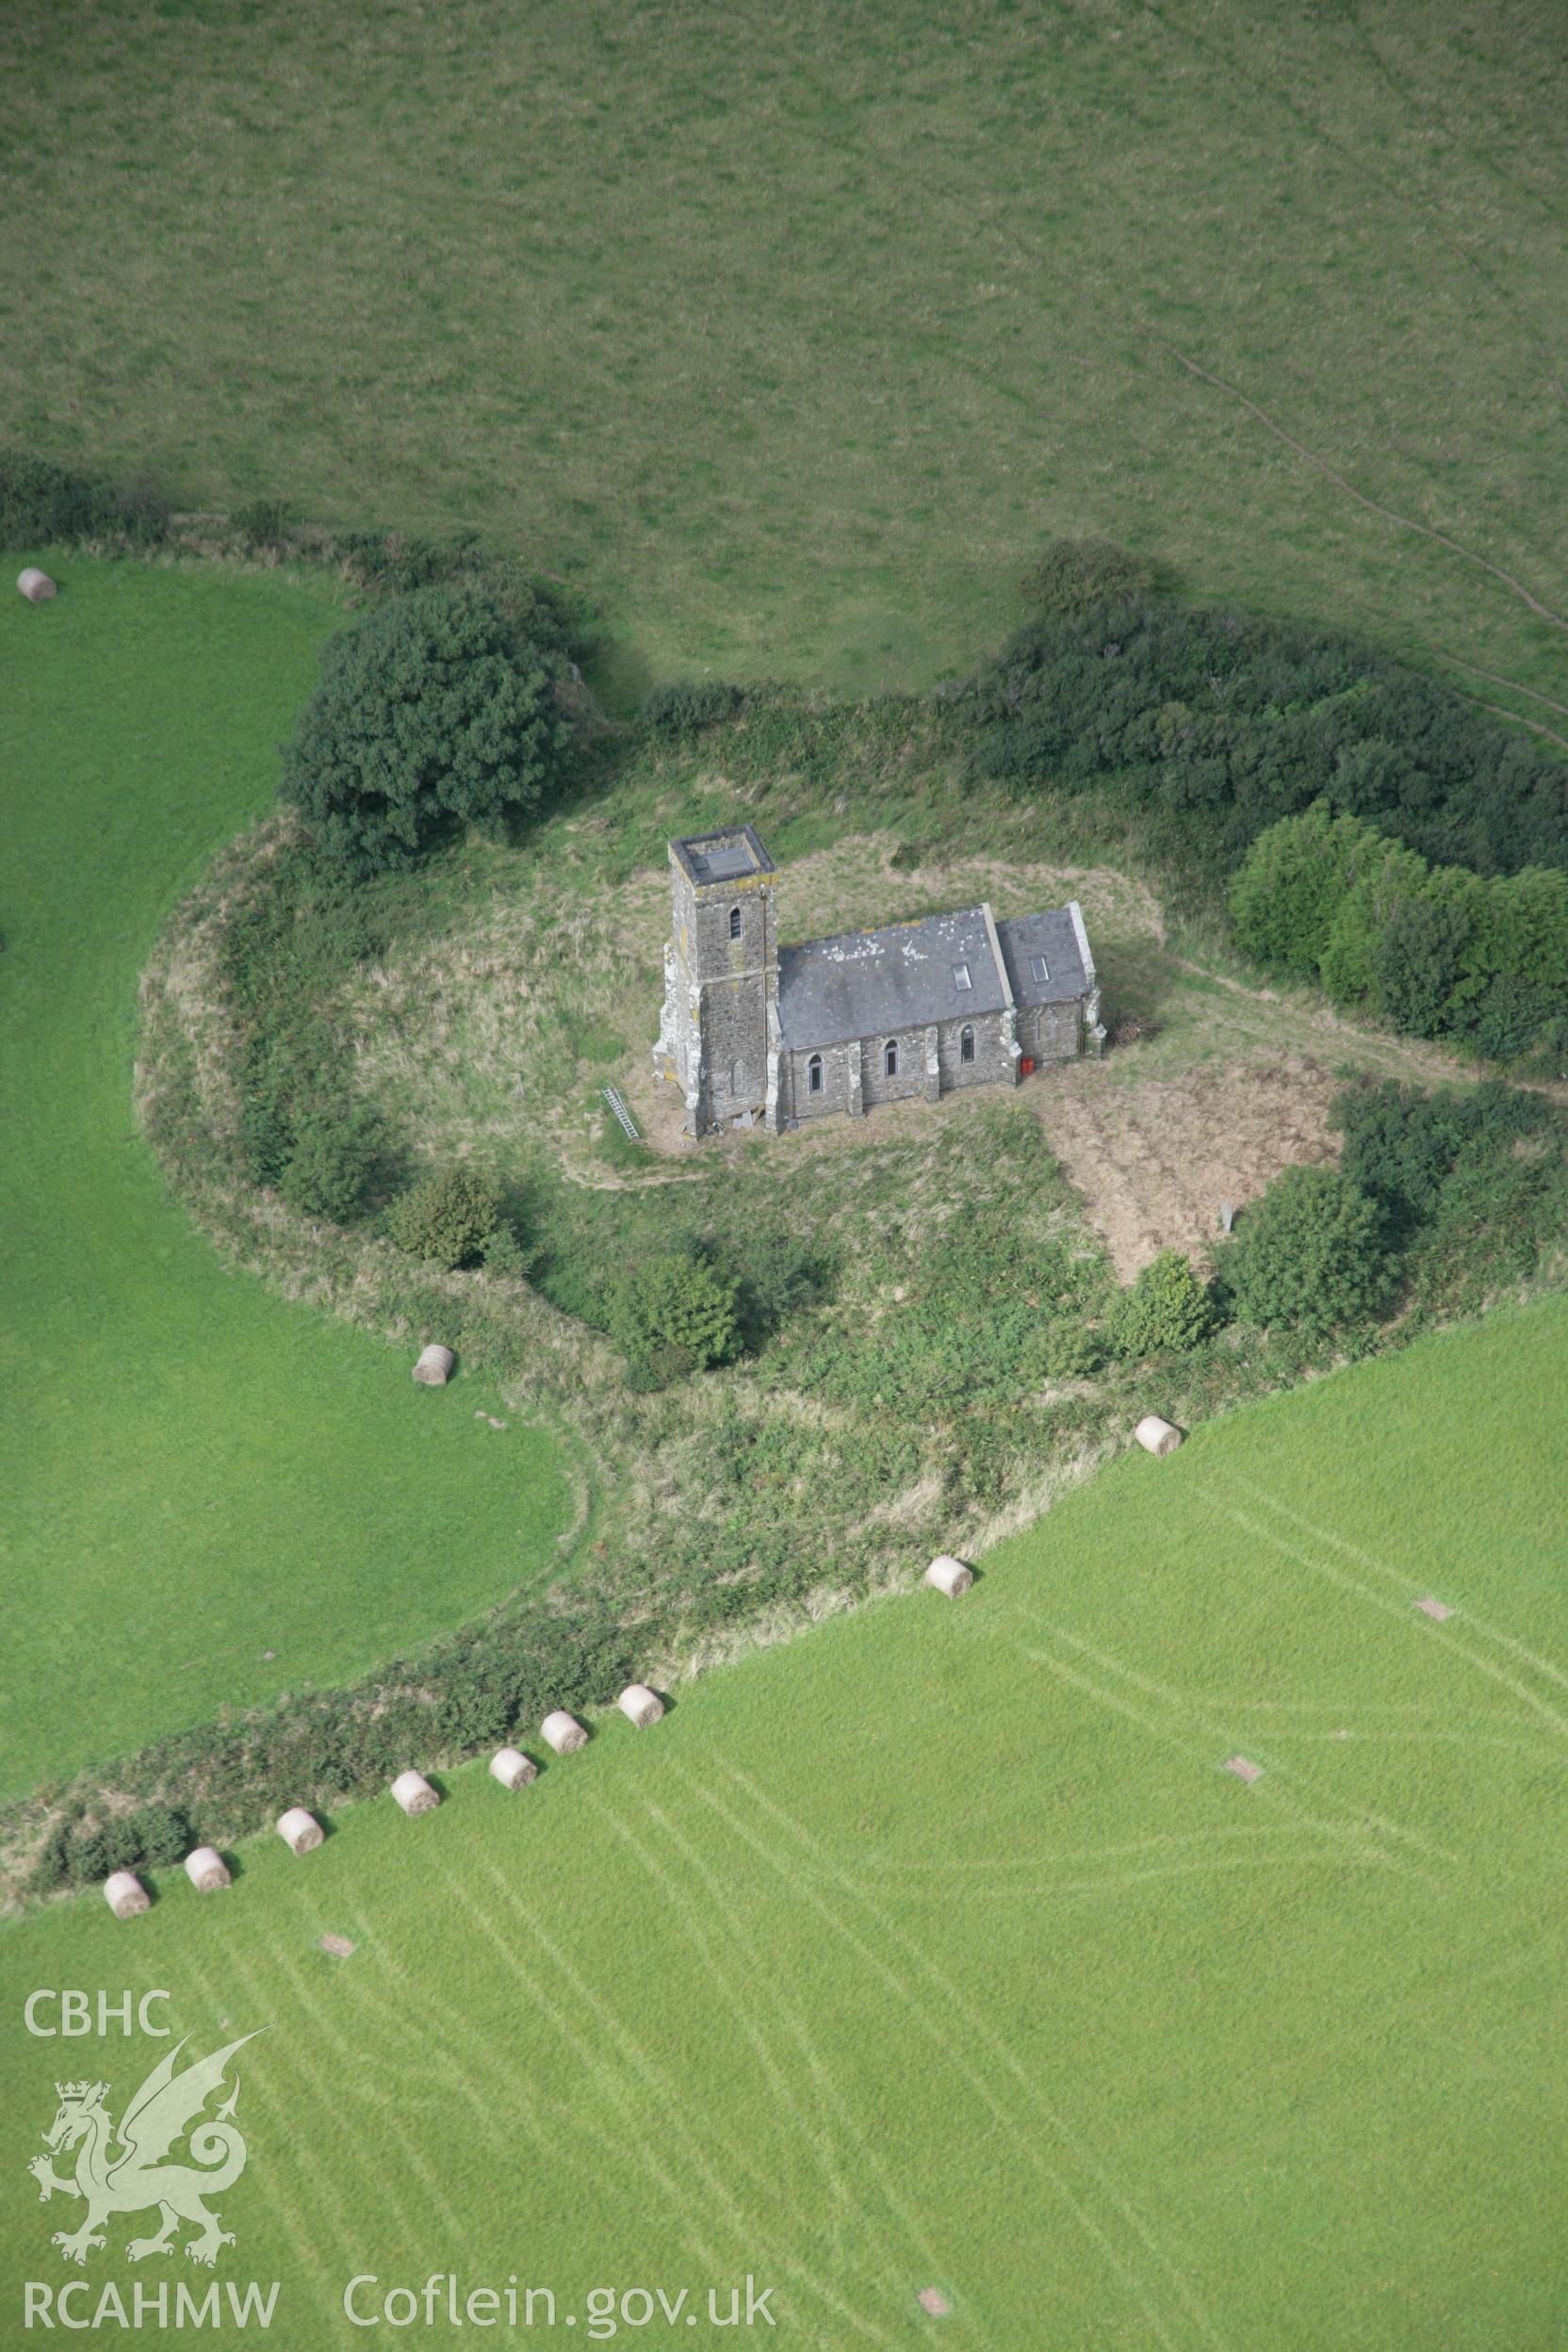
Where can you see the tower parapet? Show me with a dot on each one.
(718, 1038)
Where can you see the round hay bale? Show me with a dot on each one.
(435, 1367)
(35, 585)
(512, 1768)
(640, 1705)
(206, 1869)
(949, 1576)
(415, 1793)
(563, 1732)
(301, 1832)
(125, 1894)
(1157, 1436)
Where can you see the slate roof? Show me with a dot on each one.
(1061, 941)
(867, 984)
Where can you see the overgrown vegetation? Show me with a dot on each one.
(1308, 1256)
(1439, 952)
(1471, 1187)
(1074, 578)
(1217, 724)
(302, 1129)
(672, 1314)
(1166, 1310)
(451, 1219)
(685, 707)
(431, 718)
(42, 504)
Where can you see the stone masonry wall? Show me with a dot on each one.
(992, 1064)
(1051, 1032)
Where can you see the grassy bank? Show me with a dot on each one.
(937, 1948)
(211, 1496)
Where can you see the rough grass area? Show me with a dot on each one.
(211, 1496)
(939, 1949)
(791, 333)
(529, 980)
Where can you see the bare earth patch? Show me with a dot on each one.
(1153, 1158)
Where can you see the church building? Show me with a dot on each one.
(755, 1032)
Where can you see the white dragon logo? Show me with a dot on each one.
(166, 2105)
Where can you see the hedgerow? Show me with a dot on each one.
(686, 706)
(1218, 723)
(43, 504)
(1437, 951)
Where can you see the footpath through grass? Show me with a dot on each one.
(195, 1473)
(939, 1949)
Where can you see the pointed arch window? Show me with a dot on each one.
(734, 923)
(889, 1057)
(966, 1043)
(814, 1074)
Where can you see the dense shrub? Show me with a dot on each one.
(300, 1131)
(285, 1076)
(82, 1851)
(674, 1314)
(1308, 1256)
(689, 704)
(40, 501)
(1547, 1056)
(537, 612)
(1402, 1148)
(1076, 575)
(1437, 950)
(333, 1153)
(451, 1219)
(506, 1255)
(428, 717)
(1471, 1185)
(1219, 725)
(1166, 1310)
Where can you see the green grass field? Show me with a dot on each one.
(791, 334)
(194, 1472)
(939, 1949)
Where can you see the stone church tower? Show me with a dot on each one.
(719, 1036)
